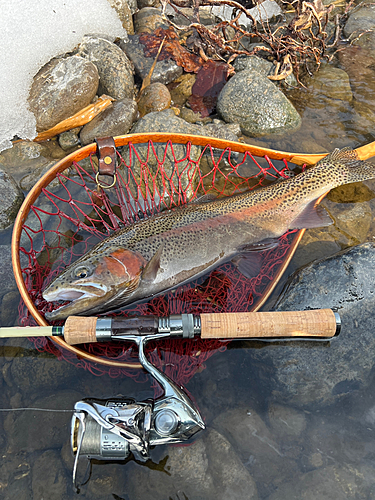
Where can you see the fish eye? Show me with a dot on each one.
(81, 272)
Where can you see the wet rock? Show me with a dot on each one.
(351, 193)
(40, 430)
(329, 83)
(148, 20)
(114, 68)
(60, 89)
(286, 422)
(305, 374)
(28, 181)
(189, 116)
(164, 72)
(207, 468)
(50, 479)
(117, 119)
(360, 20)
(11, 199)
(257, 447)
(124, 11)
(221, 130)
(40, 372)
(181, 88)
(155, 97)
(354, 221)
(16, 475)
(69, 139)
(330, 483)
(257, 105)
(148, 3)
(7, 281)
(9, 308)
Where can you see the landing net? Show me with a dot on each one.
(71, 214)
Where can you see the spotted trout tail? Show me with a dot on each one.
(348, 165)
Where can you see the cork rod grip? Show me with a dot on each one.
(80, 330)
(314, 323)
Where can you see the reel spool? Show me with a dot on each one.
(70, 209)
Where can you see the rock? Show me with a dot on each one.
(31, 431)
(114, 68)
(124, 11)
(360, 20)
(117, 119)
(9, 308)
(261, 66)
(28, 181)
(50, 479)
(257, 448)
(62, 88)
(16, 475)
(155, 97)
(306, 374)
(329, 83)
(69, 139)
(207, 468)
(257, 105)
(354, 220)
(148, 20)
(11, 199)
(148, 3)
(286, 422)
(221, 130)
(330, 483)
(164, 72)
(181, 88)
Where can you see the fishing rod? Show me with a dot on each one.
(113, 429)
(315, 324)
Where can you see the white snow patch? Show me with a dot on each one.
(31, 34)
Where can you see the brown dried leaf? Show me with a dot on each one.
(172, 49)
(211, 78)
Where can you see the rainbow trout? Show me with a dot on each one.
(164, 251)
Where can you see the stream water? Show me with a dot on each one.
(255, 446)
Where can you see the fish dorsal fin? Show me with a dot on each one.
(312, 216)
(152, 267)
(341, 154)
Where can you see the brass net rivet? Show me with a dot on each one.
(107, 160)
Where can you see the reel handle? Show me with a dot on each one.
(319, 323)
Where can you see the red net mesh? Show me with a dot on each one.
(72, 214)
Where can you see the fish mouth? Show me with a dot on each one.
(81, 299)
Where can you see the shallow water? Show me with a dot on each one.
(284, 452)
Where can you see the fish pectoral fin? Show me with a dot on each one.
(248, 264)
(312, 216)
(260, 246)
(152, 267)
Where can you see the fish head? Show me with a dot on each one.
(96, 283)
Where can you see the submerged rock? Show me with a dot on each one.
(50, 479)
(206, 469)
(308, 373)
(260, 108)
(11, 199)
(155, 97)
(329, 83)
(62, 88)
(360, 20)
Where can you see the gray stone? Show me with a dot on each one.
(11, 199)
(222, 130)
(165, 71)
(62, 88)
(50, 479)
(7, 281)
(28, 181)
(305, 374)
(9, 308)
(286, 422)
(114, 68)
(117, 119)
(208, 468)
(257, 105)
(40, 430)
(69, 139)
(181, 88)
(261, 66)
(360, 20)
(15, 476)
